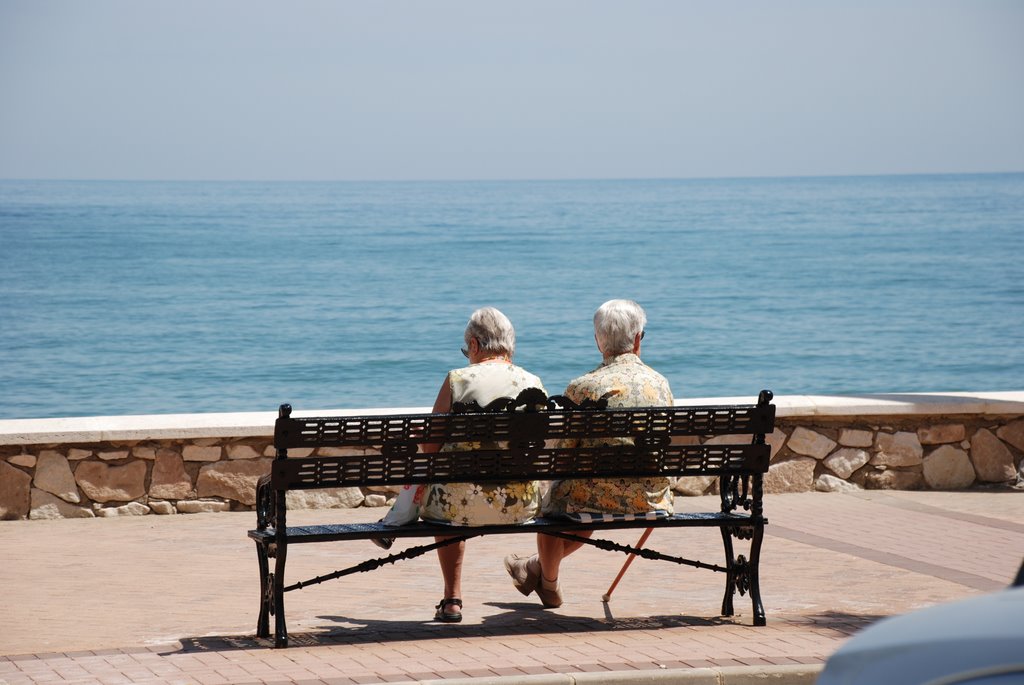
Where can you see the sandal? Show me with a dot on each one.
(550, 593)
(383, 543)
(448, 616)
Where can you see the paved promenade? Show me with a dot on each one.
(173, 599)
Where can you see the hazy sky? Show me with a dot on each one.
(427, 89)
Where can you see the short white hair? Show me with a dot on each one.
(492, 331)
(616, 325)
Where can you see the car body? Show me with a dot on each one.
(976, 641)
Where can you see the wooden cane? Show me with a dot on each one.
(629, 560)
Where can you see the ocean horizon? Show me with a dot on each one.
(159, 297)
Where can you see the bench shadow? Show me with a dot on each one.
(516, 618)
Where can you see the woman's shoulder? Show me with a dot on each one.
(520, 371)
(495, 376)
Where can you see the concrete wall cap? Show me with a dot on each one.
(1007, 403)
(92, 429)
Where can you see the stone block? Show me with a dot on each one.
(104, 483)
(777, 440)
(993, 461)
(234, 480)
(162, 508)
(890, 479)
(852, 437)
(948, 468)
(26, 460)
(242, 452)
(115, 455)
(375, 500)
(796, 475)
(383, 489)
(1013, 433)
(694, 486)
(327, 498)
(53, 475)
(46, 506)
(201, 453)
(15, 492)
(728, 440)
(169, 479)
(76, 454)
(845, 460)
(130, 509)
(335, 452)
(198, 506)
(898, 449)
(826, 482)
(147, 453)
(942, 434)
(810, 443)
(298, 452)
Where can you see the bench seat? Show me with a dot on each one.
(420, 529)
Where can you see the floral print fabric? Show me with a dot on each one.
(626, 382)
(481, 504)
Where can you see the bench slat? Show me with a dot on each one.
(554, 424)
(536, 463)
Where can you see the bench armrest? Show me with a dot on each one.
(266, 511)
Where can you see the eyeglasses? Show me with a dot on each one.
(642, 333)
(465, 350)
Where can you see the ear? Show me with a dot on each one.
(636, 343)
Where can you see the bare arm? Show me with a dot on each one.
(442, 405)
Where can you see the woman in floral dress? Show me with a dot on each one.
(624, 381)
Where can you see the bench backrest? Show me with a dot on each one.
(537, 437)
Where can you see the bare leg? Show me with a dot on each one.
(551, 551)
(450, 557)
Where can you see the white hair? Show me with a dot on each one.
(616, 325)
(492, 330)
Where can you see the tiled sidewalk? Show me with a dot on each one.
(174, 599)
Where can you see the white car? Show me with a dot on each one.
(976, 641)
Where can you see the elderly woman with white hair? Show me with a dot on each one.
(624, 381)
(490, 344)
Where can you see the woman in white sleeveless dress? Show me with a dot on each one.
(491, 375)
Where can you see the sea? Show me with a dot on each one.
(183, 297)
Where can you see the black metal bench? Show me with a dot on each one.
(532, 427)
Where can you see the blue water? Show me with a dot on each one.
(139, 297)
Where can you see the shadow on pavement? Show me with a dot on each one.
(517, 619)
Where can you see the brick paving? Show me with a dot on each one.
(173, 599)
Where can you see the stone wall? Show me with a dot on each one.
(48, 470)
(147, 477)
(879, 453)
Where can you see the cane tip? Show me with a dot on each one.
(605, 598)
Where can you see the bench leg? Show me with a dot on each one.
(753, 573)
(263, 622)
(280, 630)
(742, 574)
(730, 576)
